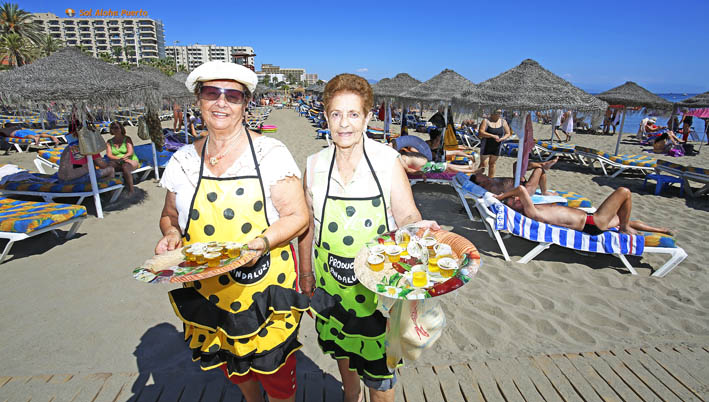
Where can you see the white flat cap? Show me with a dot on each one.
(221, 70)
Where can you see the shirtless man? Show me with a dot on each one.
(499, 185)
(613, 212)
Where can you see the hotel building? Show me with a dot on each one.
(191, 56)
(141, 38)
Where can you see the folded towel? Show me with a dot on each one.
(28, 177)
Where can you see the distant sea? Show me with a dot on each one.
(632, 120)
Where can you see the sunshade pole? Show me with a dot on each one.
(520, 150)
(620, 132)
(155, 161)
(184, 123)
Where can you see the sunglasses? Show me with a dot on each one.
(213, 93)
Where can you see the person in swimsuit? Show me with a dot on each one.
(499, 185)
(613, 212)
(493, 132)
(12, 131)
(664, 142)
(120, 154)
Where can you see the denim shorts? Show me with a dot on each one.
(380, 385)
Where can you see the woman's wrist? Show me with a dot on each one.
(307, 274)
(172, 230)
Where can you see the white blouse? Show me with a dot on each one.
(182, 173)
(362, 184)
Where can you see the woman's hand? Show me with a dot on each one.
(426, 224)
(306, 280)
(170, 241)
(259, 244)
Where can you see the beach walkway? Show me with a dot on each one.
(655, 373)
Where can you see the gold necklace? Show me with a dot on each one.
(213, 160)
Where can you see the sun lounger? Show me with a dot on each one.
(21, 220)
(49, 191)
(688, 174)
(437, 178)
(630, 162)
(545, 150)
(27, 142)
(498, 217)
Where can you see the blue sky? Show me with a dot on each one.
(596, 45)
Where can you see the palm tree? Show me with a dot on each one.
(106, 57)
(18, 21)
(16, 49)
(129, 51)
(117, 51)
(49, 45)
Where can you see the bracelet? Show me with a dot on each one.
(307, 274)
(172, 230)
(266, 242)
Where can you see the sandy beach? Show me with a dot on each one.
(73, 307)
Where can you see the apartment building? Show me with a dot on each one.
(191, 56)
(129, 39)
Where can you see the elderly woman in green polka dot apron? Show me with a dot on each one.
(356, 189)
(235, 185)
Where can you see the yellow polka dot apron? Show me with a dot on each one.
(348, 324)
(246, 318)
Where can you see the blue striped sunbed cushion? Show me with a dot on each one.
(609, 242)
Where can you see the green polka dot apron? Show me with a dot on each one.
(246, 318)
(348, 323)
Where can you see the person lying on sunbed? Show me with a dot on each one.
(416, 162)
(73, 165)
(499, 185)
(664, 142)
(613, 212)
(11, 131)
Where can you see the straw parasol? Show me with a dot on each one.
(441, 88)
(698, 101)
(68, 75)
(180, 76)
(631, 94)
(392, 87)
(168, 89)
(530, 87)
(317, 88)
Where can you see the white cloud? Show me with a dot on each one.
(362, 70)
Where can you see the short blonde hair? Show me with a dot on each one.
(349, 83)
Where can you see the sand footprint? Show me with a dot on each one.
(577, 334)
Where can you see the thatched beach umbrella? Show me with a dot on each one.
(316, 88)
(439, 89)
(631, 94)
(168, 89)
(529, 87)
(69, 76)
(392, 87)
(698, 101)
(180, 76)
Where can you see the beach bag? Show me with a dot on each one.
(676, 151)
(689, 149)
(143, 132)
(90, 141)
(413, 326)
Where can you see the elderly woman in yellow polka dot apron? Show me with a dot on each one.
(235, 185)
(356, 189)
